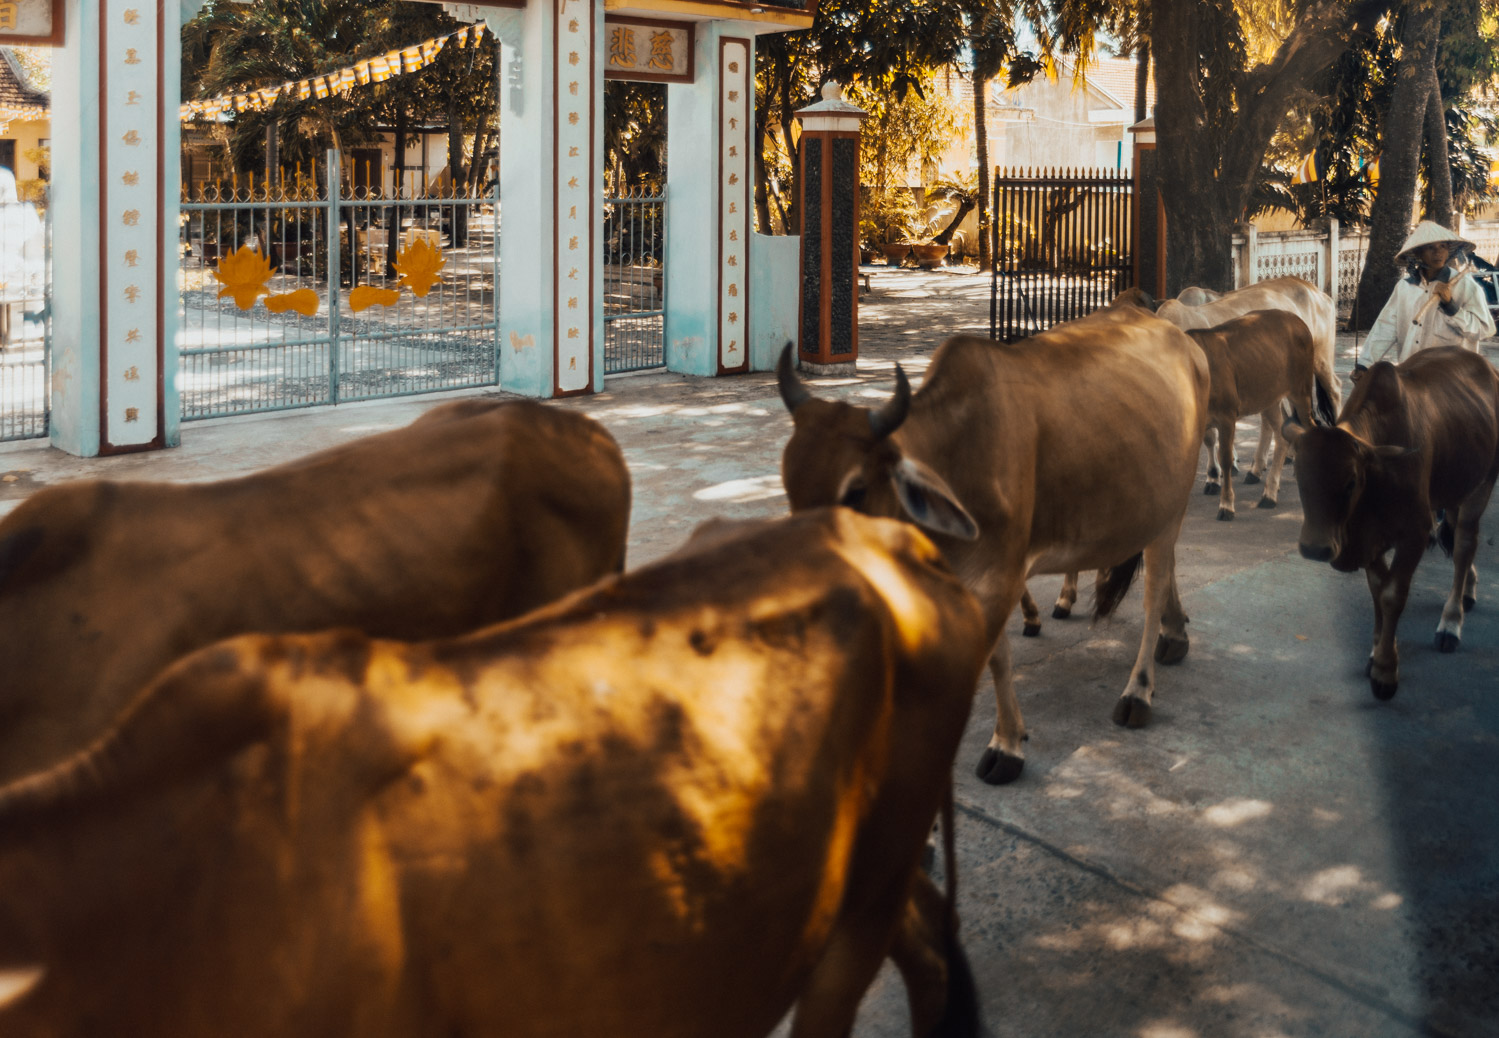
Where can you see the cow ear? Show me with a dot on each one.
(930, 502)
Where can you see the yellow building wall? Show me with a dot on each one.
(28, 135)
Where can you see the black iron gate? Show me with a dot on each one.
(1062, 247)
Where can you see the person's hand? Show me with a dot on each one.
(1357, 373)
(1442, 291)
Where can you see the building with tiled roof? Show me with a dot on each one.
(25, 122)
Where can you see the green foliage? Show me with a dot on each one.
(918, 127)
(235, 48)
(634, 136)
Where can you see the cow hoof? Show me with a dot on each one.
(1060, 612)
(1250, 479)
(1211, 488)
(1171, 650)
(1468, 603)
(1447, 641)
(998, 768)
(1130, 712)
(1031, 630)
(1266, 502)
(1383, 690)
(1225, 515)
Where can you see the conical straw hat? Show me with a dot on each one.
(1428, 232)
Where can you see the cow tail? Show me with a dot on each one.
(1446, 535)
(1113, 583)
(1327, 413)
(960, 1014)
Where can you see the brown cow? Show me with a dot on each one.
(1413, 438)
(476, 512)
(1290, 294)
(670, 805)
(1074, 449)
(1256, 361)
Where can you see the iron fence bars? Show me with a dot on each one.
(1062, 247)
(634, 285)
(25, 321)
(338, 324)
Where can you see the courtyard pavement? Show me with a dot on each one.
(1278, 855)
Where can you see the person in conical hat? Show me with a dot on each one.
(1459, 317)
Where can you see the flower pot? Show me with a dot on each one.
(929, 255)
(896, 254)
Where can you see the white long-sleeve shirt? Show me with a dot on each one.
(1462, 322)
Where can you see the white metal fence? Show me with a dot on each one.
(1332, 259)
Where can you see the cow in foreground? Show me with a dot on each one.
(1290, 294)
(476, 512)
(1075, 449)
(672, 804)
(1413, 438)
(1255, 362)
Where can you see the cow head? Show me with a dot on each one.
(1334, 470)
(840, 454)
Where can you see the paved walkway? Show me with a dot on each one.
(1276, 855)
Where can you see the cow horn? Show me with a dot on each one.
(793, 393)
(888, 418)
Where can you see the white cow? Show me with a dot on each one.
(1292, 294)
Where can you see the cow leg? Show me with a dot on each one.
(1389, 589)
(1066, 598)
(1133, 707)
(856, 947)
(1269, 434)
(1031, 614)
(1004, 757)
(931, 962)
(1225, 462)
(1464, 574)
(1271, 497)
(1210, 441)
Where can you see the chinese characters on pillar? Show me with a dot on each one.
(130, 223)
(737, 91)
(573, 211)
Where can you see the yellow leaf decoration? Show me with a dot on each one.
(366, 296)
(418, 265)
(244, 275)
(304, 301)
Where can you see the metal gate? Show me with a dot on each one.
(1062, 247)
(339, 324)
(25, 320)
(634, 283)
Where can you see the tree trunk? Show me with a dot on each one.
(762, 173)
(981, 144)
(457, 176)
(1206, 189)
(1142, 73)
(398, 172)
(964, 208)
(1395, 199)
(792, 212)
(1438, 161)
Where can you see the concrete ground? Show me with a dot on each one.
(1278, 855)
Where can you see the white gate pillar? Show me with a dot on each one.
(710, 205)
(115, 83)
(551, 161)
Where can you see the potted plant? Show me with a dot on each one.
(884, 220)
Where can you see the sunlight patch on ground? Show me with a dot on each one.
(1236, 878)
(1336, 885)
(756, 488)
(1236, 811)
(1203, 918)
(1166, 1029)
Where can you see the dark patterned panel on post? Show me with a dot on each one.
(812, 188)
(841, 286)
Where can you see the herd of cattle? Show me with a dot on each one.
(450, 769)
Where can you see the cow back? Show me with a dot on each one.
(1086, 434)
(639, 811)
(478, 512)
